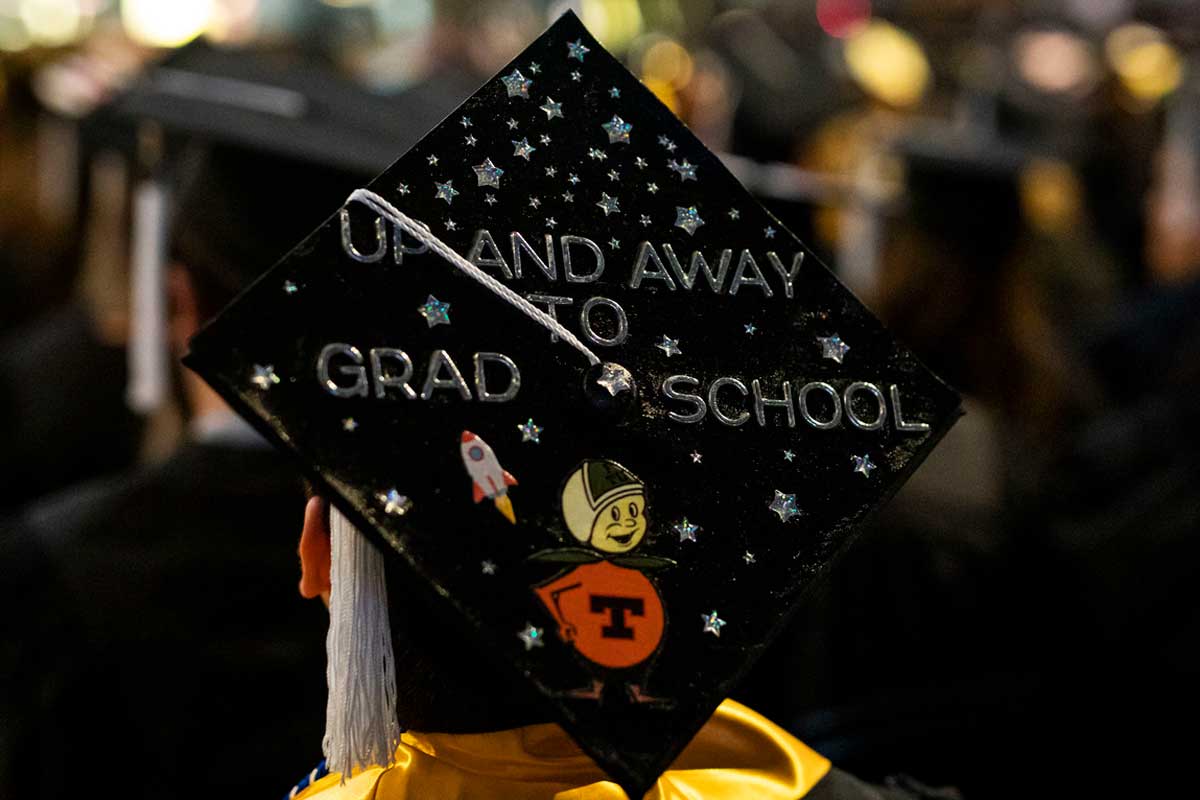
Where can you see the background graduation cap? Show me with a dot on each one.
(563, 368)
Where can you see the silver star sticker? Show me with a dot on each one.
(402, 188)
(471, 140)
(596, 154)
(639, 162)
(615, 379)
(552, 109)
(488, 567)
(451, 225)
(748, 557)
(617, 130)
(290, 287)
(734, 213)
(534, 67)
(608, 204)
(613, 175)
(531, 637)
(464, 121)
(394, 502)
(523, 148)
(551, 172)
(750, 328)
(614, 92)
(769, 232)
(686, 170)
(433, 160)
(784, 505)
(350, 424)
(688, 219)
(645, 220)
(490, 199)
(445, 191)
(435, 312)
(833, 348)
(512, 124)
(576, 49)
(568, 197)
(789, 455)
(664, 141)
(573, 179)
(863, 465)
(614, 243)
(575, 76)
(530, 432)
(686, 530)
(652, 188)
(551, 222)
(516, 84)
(669, 346)
(712, 623)
(534, 202)
(487, 173)
(697, 457)
(544, 138)
(264, 376)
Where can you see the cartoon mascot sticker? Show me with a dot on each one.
(605, 605)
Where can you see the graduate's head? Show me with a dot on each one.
(604, 505)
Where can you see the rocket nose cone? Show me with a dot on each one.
(467, 436)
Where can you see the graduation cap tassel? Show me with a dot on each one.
(360, 718)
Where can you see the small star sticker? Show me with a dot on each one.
(471, 140)
(534, 67)
(614, 243)
(615, 379)
(748, 557)
(697, 457)
(487, 174)
(435, 312)
(551, 222)
(613, 175)
(523, 148)
(568, 197)
(490, 199)
(576, 76)
(488, 568)
(516, 84)
(784, 505)
(573, 179)
(833, 348)
(750, 328)
(789, 455)
(596, 154)
(576, 49)
(652, 188)
(445, 191)
(863, 465)
(639, 162)
(669, 346)
(617, 130)
(464, 121)
(534, 202)
(645, 220)
(290, 287)
(512, 124)
(350, 424)
(433, 160)
(686, 170)
(608, 204)
(665, 142)
(451, 225)
(686, 530)
(394, 502)
(688, 219)
(551, 172)
(712, 623)
(402, 188)
(531, 637)
(544, 138)
(614, 93)
(734, 213)
(264, 376)
(530, 432)
(769, 232)
(552, 109)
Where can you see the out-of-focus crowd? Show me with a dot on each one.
(1014, 187)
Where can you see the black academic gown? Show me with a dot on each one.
(158, 634)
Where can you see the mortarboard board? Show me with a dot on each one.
(558, 365)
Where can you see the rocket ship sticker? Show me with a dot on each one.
(491, 480)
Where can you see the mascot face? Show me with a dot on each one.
(604, 506)
(620, 524)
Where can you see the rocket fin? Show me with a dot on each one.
(478, 492)
(509, 480)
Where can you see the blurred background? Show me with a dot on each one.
(1012, 185)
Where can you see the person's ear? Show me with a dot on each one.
(314, 550)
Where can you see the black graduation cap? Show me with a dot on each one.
(623, 437)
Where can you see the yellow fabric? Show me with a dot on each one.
(737, 754)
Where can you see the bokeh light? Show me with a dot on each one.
(166, 24)
(843, 18)
(51, 22)
(1056, 62)
(888, 64)
(1148, 66)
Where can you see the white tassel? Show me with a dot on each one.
(360, 717)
